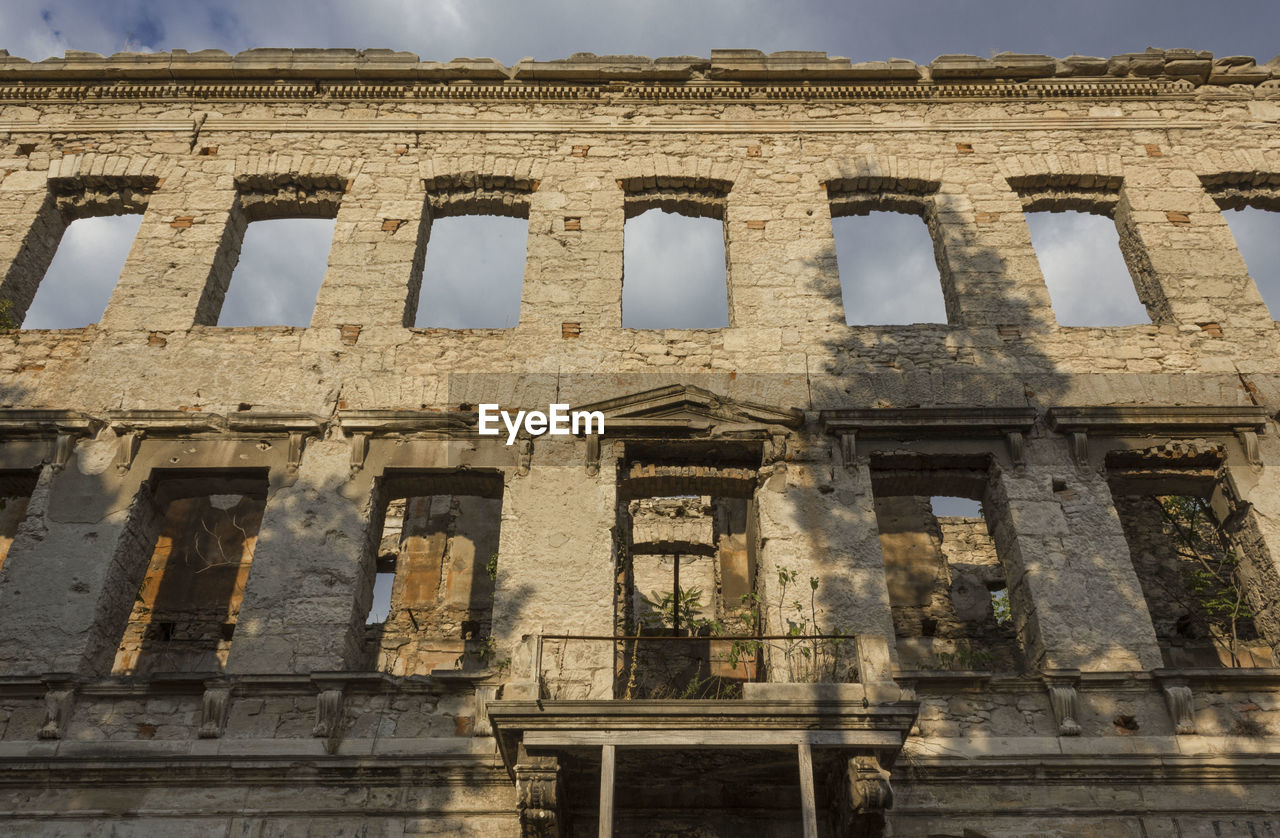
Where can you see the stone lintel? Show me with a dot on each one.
(928, 421)
(1143, 419)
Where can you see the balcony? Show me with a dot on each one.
(743, 735)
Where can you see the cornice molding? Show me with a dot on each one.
(344, 67)
(689, 125)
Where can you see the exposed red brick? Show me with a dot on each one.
(350, 333)
(570, 330)
(390, 225)
(573, 223)
(964, 148)
(182, 222)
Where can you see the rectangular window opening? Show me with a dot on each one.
(15, 494)
(82, 276)
(202, 530)
(888, 269)
(473, 274)
(1089, 282)
(1257, 235)
(675, 274)
(277, 278)
(947, 585)
(1204, 587)
(436, 565)
(689, 581)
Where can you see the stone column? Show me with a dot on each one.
(28, 238)
(74, 566)
(556, 570)
(1076, 600)
(180, 266)
(1181, 252)
(300, 611)
(379, 243)
(990, 273)
(818, 518)
(573, 273)
(781, 253)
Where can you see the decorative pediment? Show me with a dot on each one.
(686, 410)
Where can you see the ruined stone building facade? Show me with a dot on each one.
(196, 516)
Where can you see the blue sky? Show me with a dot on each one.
(508, 31)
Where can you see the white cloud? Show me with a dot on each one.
(674, 272)
(84, 271)
(1089, 283)
(282, 264)
(1257, 234)
(888, 274)
(474, 272)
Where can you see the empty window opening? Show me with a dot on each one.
(944, 506)
(1203, 582)
(1257, 235)
(76, 288)
(282, 264)
(1084, 268)
(473, 273)
(888, 270)
(1000, 607)
(15, 494)
(688, 568)
(70, 274)
(202, 530)
(383, 581)
(673, 564)
(674, 272)
(436, 564)
(944, 573)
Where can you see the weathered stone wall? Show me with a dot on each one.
(800, 431)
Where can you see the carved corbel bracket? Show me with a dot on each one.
(63, 446)
(329, 706)
(1178, 698)
(775, 449)
(297, 441)
(849, 449)
(1065, 701)
(59, 702)
(127, 448)
(862, 798)
(359, 450)
(484, 694)
(1249, 441)
(1017, 443)
(1078, 442)
(593, 454)
(213, 709)
(539, 793)
(524, 456)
